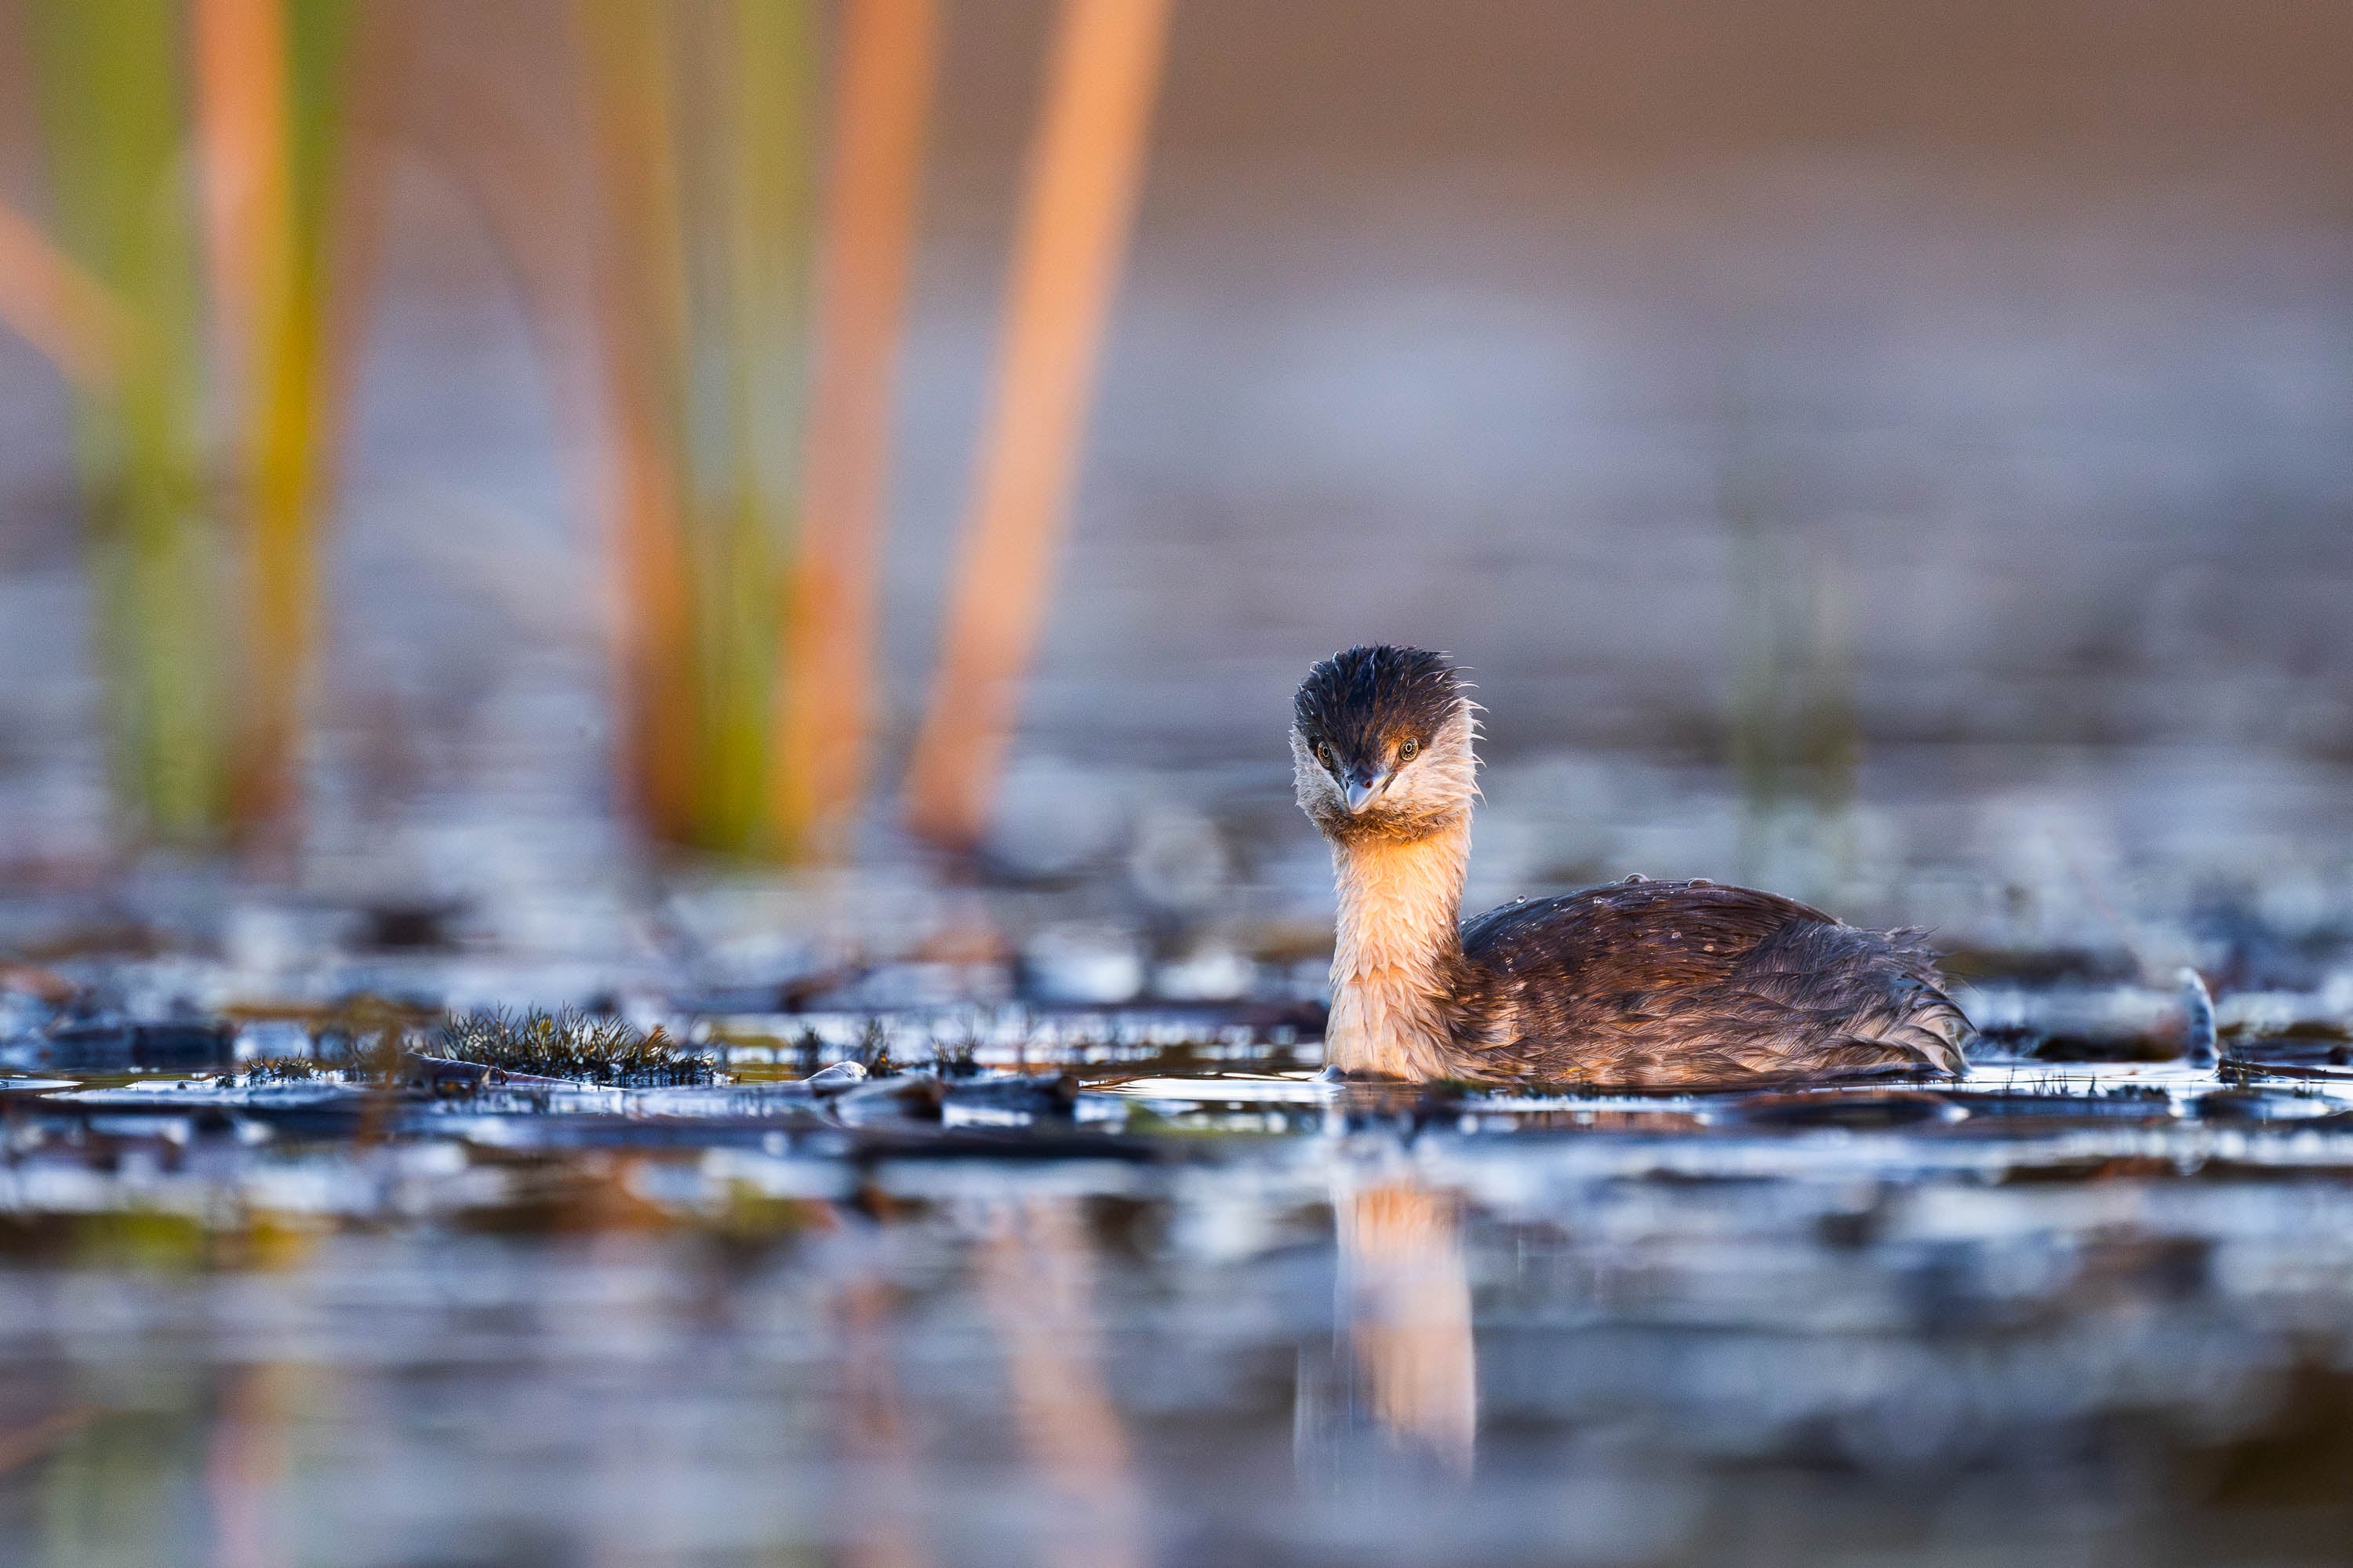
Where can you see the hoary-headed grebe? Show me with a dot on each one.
(1637, 983)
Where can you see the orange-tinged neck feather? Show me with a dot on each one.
(1399, 944)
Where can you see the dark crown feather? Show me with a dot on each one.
(1359, 699)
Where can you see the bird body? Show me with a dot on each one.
(1638, 983)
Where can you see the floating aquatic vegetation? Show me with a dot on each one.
(589, 1048)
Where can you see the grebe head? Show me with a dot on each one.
(1381, 745)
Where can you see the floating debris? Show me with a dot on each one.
(116, 1046)
(833, 1080)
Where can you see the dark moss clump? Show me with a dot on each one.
(372, 1059)
(873, 1051)
(587, 1049)
(263, 1070)
(961, 1060)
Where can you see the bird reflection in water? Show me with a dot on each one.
(1404, 1372)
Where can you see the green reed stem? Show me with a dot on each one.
(704, 111)
(111, 104)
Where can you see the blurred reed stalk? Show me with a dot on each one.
(60, 308)
(110, 97)
(699, 114)
(271, 101)
(1085, 168)
(205, 722)
(1796, 742)
(866, 241)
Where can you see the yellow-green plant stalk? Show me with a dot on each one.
(111, 105)
(701, 112)
(1795, 739)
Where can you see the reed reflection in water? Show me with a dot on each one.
(250, 1461)
(1035, 1266)
(877, 1451)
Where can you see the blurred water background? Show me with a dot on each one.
(1903, 458)
(1900, 457)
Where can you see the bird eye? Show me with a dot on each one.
(1408, 751)
(1330, 763)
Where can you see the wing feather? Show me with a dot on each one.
(1682, 983)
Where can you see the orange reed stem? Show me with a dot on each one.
(241, 59)
(240, 69)
(73, 319)
(643, 330)
(1085, 168)
(826, 673)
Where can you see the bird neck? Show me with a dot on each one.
(1399, 950)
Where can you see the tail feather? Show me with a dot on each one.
(1931, 1029)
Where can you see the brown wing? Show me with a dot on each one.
(1681, 983)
